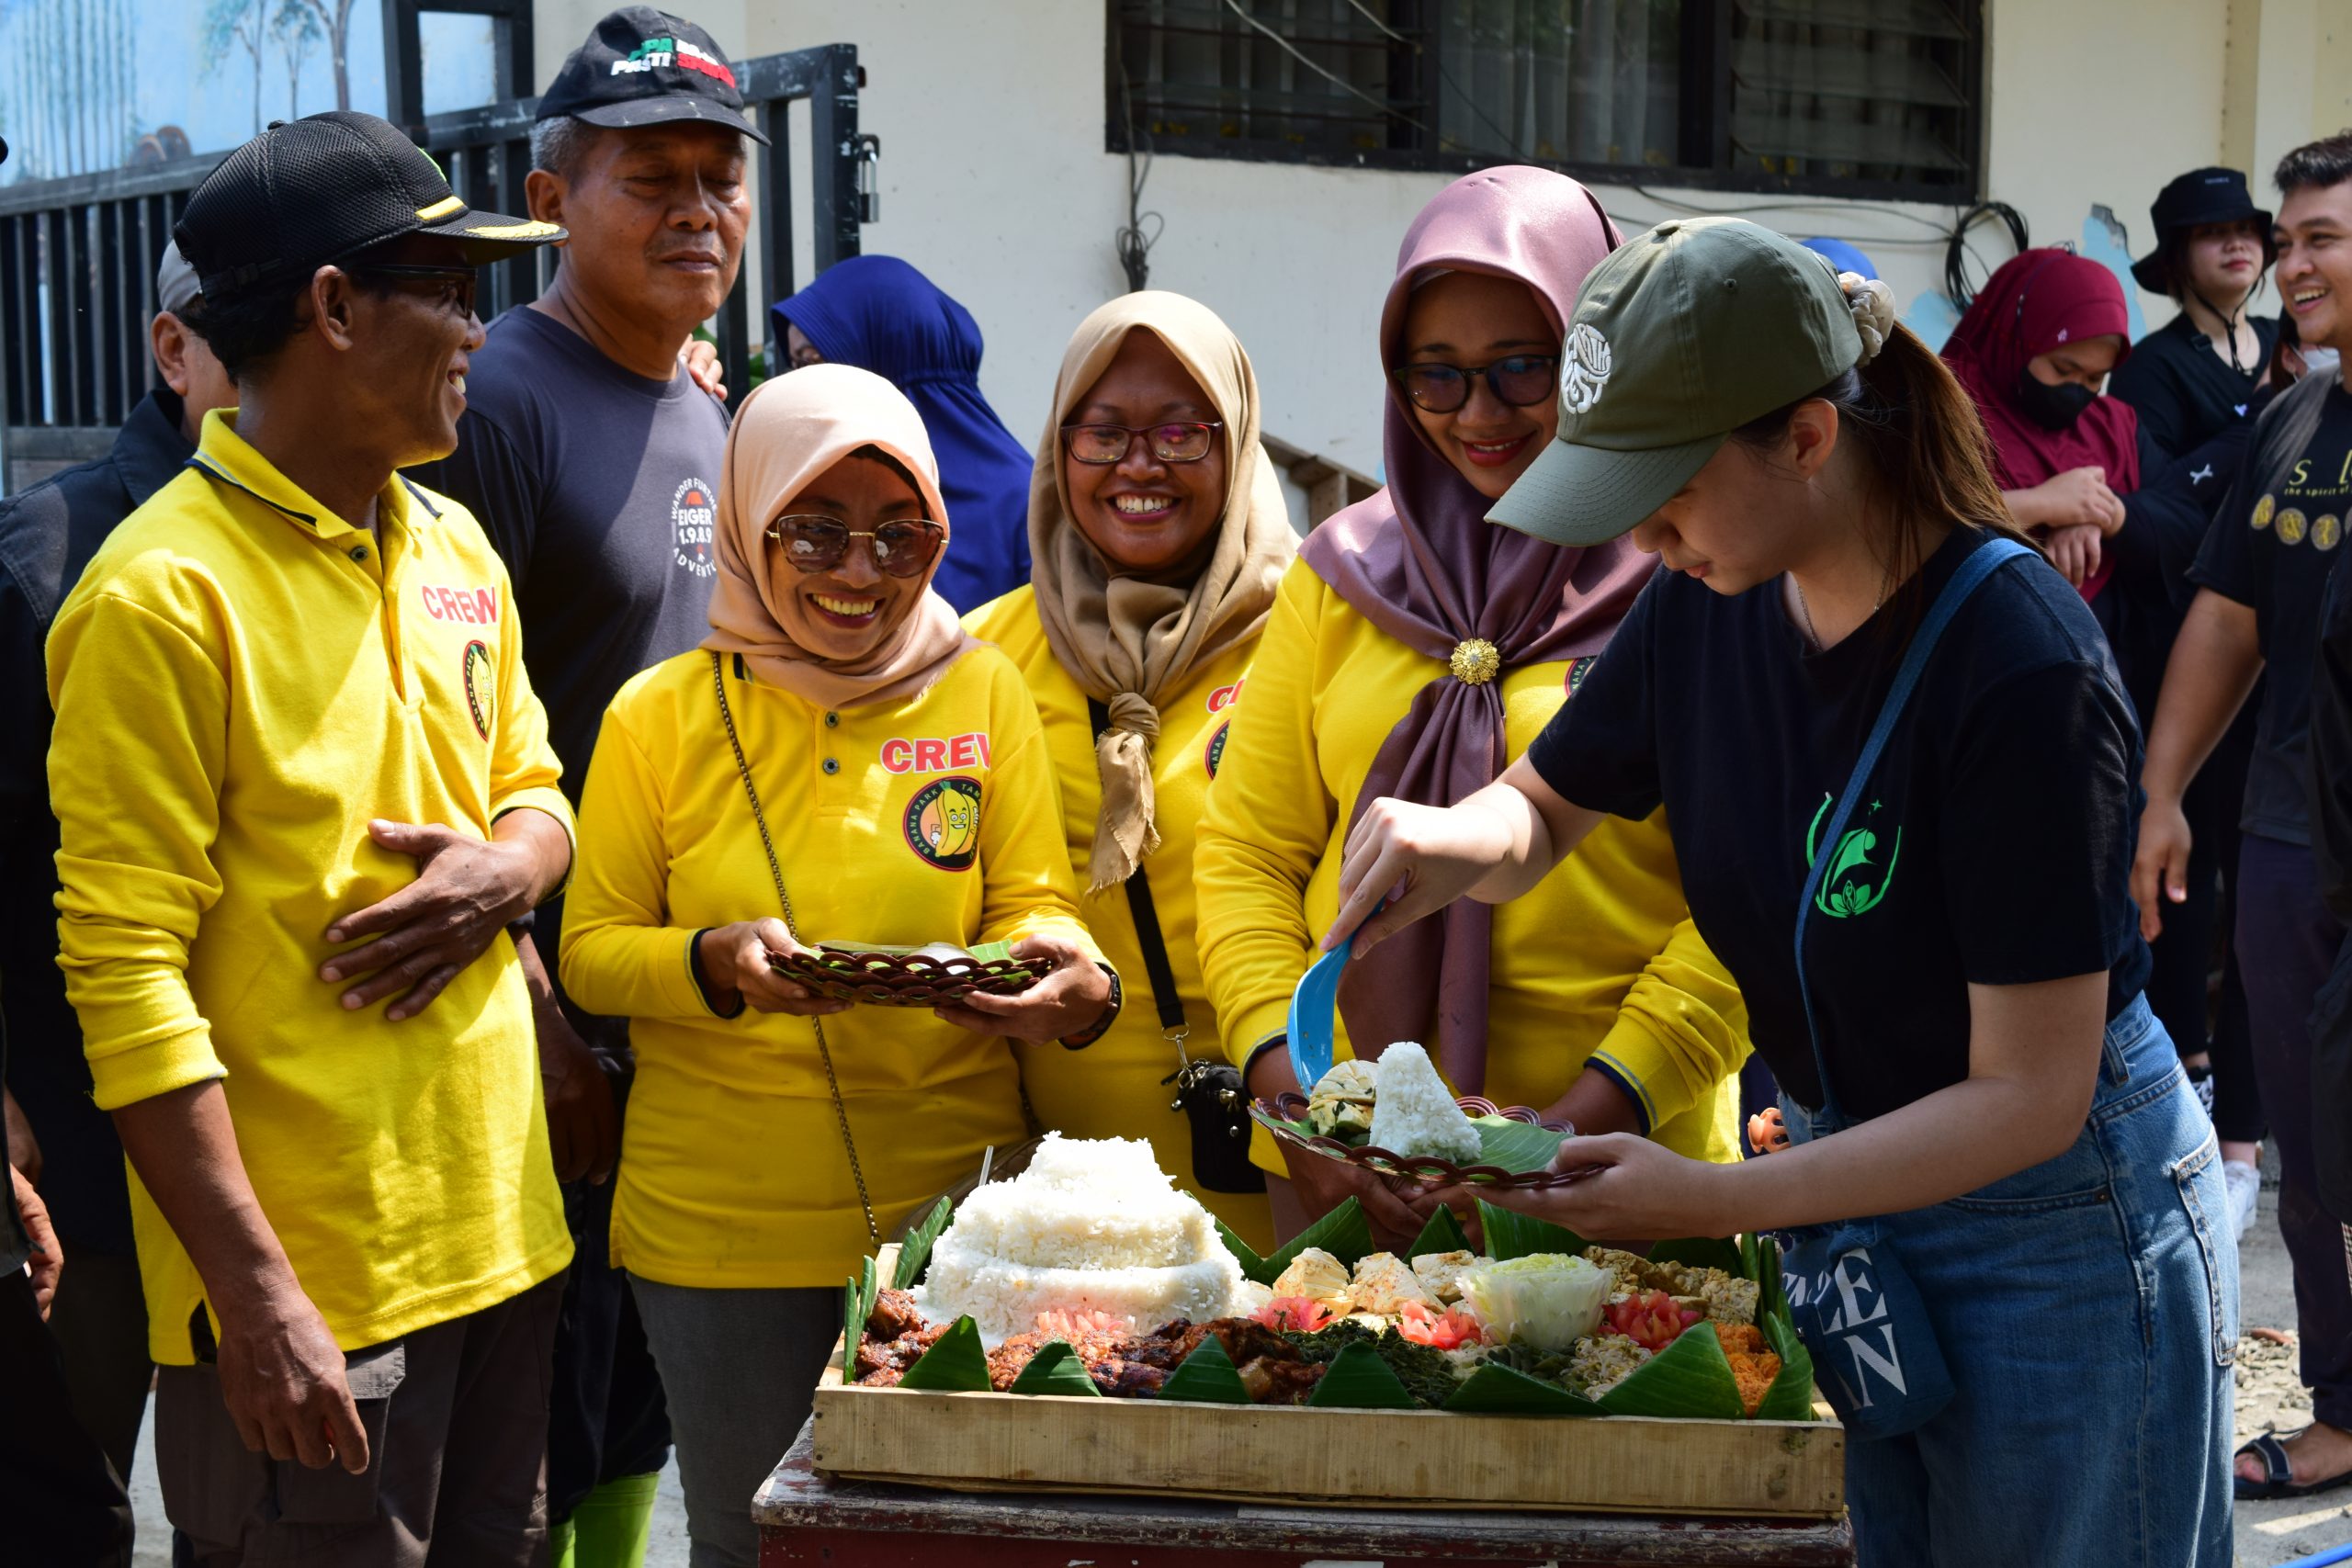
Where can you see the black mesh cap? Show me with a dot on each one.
(640, 66)
(302, 195)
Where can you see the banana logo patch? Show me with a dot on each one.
(480, 698)
(942, 823)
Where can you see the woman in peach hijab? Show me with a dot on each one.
(839, 762)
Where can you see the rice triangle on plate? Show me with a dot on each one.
(1413, 1112)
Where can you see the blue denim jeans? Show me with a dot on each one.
(2088, 1310)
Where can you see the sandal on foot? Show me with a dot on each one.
(2278, 1474)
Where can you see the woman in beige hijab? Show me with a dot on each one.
(838, 735)
(1160, 535)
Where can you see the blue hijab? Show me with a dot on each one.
(880, 314)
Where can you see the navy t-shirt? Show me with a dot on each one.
(2275, 554)
(599, 490)
(1994, 845)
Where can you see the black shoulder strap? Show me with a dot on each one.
(1164, 995)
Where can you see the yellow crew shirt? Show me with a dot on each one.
(243, 680)
(1598, 964)
(934, 818)
(1115, 1088)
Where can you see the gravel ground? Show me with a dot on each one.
(2270, 1398)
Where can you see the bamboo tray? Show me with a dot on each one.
(1296, 1455)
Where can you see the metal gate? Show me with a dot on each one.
(78, 256)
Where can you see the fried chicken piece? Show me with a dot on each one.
(1166, 1347)
(894, 1313)
(1246, 1340)
(894, 1356)
(1128, 1380)
(1272, 1381)
(1010, 1359)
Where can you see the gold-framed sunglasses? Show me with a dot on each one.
(817, 544)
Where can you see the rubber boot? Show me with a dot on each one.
(611, 1526)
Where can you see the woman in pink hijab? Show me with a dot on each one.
(1414, 652)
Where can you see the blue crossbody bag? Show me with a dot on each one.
(1873, 1347)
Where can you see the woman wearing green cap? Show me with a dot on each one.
(1913, 767)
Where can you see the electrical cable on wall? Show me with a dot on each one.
(1957, 287)
(1133, 240)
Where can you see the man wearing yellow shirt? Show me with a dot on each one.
(299, 772)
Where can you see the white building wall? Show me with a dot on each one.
(996, 183)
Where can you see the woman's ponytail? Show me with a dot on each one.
(1918, 432)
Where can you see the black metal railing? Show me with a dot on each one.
(78, 256)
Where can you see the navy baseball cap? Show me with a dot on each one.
(641, 66)
(323, 187)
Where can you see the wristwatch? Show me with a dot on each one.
(1102, 1025)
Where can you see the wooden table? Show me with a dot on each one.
(804, 1518)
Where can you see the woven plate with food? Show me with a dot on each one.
(883, 975)
(1397, 1117)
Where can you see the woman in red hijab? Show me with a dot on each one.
(2034, 349)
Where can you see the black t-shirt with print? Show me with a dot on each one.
(1994, 845)
(2275, 554)
(599, 488)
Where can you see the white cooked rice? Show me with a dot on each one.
(1092, 1225)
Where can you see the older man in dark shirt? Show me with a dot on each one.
(58, 1139)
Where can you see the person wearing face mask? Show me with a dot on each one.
(838, 762)
(2033, 348)
(1160, 535)
(1415, 652)
(1878, 724)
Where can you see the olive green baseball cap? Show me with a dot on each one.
(1680, 337)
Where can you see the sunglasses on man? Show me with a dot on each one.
(817, 544)
(453, 288)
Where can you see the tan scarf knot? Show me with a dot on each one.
(1128, 829)
(1131, 642)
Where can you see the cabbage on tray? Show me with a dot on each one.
(1542, 1318)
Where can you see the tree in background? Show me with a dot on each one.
(295, 26)
(334, 16)
(232, 25)
(70, 103)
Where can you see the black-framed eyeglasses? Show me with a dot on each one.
(817, 544)
(1180, 442)
(455, 284)
(1522, 381)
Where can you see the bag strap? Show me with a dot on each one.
(1165, 996)
(1982, 562)
(775, 873)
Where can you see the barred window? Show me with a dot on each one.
(1841, 97)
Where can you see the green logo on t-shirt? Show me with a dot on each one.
(1851, 886)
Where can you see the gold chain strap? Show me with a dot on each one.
(775, 872)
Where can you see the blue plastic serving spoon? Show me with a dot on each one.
(1312, 1007)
